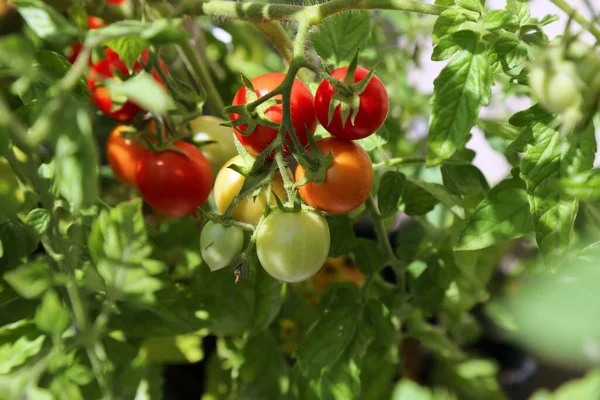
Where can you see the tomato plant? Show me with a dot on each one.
(302, 114)
(348, 180)
(292, 246)
(375, 199)
(361, 122)
(175, 182)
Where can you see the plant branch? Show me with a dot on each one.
(578, 17)
(273, 31)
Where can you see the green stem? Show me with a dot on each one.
(399, 161)
(273, 31)
(260, 12)
(201, 70)
(287, 183)
(578, 17)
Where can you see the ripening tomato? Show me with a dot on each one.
(105, 69)
(228, 184)
(302, 113)
(371, 113)
(123, 154)
(75, 49)
(208, 128)
(556, 89)
(172, 182)
(339, 269)
(220, 244)
(292, 246)
(348, 181)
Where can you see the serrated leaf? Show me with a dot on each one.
(433, 338)
(472, 5)
(503, 215)
(38, 219)
(585, 186)
(450, 44)
(389, 193)
(416, 200)
(343, 239)
(126, 282)
(453, 202)
(339, 36)
(448, 22)
(459, 91)
(507, 53)
(369, 257)
(144, 91)
(52, 316)
(500, 19)
(18, 342)
(547, 160)
(30, 280)
(464, 179)
(128, 48)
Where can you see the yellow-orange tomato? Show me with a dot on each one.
(339, 269)
(348, 181)
(228, 184)
(123, 154)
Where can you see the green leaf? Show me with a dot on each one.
(30, 280)
(417, 201)
(451, 44)
(429, 282)
(157, 32)
(464, 179)
(144, 91)
(128, 48)
(76, 159)
(38, 219)
(268, 297)
(16, 54)
(507, 53)
(163, 31)
(339, 36)
(587, 387)
(500, 19)
(18, 342)
(389, 193)
(433, 338)
(500, 129)
(372, 142)
(19, 238)
(343, 239)
(472, 5)
(546, 161)
(369, 256)
(52, 317)
(407, 389)
(175, 349)
(439, 192)
(120, 234)
(503, 215)
(46, 21)
(448, 22)
(459, 91)
(126, 282)
(584, 186)
(470, 379)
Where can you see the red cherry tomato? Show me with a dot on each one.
(75, 49)
(302, 113)
(105, 69)
(174, 183)
(348, 181)
(123, 154)
(371, 113)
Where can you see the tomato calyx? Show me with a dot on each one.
(315, 163)
(347, 95)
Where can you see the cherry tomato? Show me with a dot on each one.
(75, 49)
(556, 89)
(302, 113)
(207, 128)
(371, 113)
(123, 154)
(339, 269)
(348, 181)
(105, 69)
(172, 182)
(220, 244)
(228, 184)
(292, 246)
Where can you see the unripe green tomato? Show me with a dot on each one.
(292, 246)
(586, 60)
(556, 89)
(220, 244)
(207, 127)
(11, 195)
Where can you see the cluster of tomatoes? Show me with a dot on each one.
(175, 177)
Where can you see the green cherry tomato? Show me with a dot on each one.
(220, 244)
(556, 89)
(208, 128)
(292, 246)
